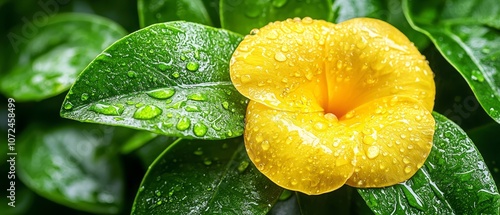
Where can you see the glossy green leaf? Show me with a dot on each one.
(48, 62)
(454, 180)
(72, 165)
(170, 78)
(467, 35)
(242, 16)
(156, 11)
(205, 177)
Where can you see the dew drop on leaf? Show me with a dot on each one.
(197, 97)
(200, 129)
(192, 66)
(183, 124)
(68, 106)
(147, 112)
(107, 109)
(163, 93)
(84, 97)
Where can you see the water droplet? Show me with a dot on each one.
(183, 124)
(158, 193)
(176, 74)
(372, 152)
(279, 56)
(265, 145)
(158, 202)
(403, 136)
(279, 3)
(197, 97)
(319, 126)
(349, 115)
(68, 105)
(477, 76)
(147, 112)
(243, 166)
(216, 127)
(163, 66)
(200, 129)
(107, 109)
(163, 93)
(192, 108)
(207, 162)
(198, 152)
(245, 79)
(408, 169)
(225, 105)
(254, 31)
(192, 66)
(84, 97)
(331, 117)
(131, 74)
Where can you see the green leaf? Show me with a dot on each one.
(72, 165)
(466, 33)
(205, 177)
(156, 11)
(454, 180)
(49, 62)
(169, 78)
(243, 16)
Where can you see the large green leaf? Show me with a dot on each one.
(454, 180)
(155, 11)
(467, 35)
(169, 78)
(49, 61)
(243, 16)
(205, 177)
(72, 165)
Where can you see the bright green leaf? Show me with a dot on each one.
(466, 33)
(49, 62)
(454, 180)
(205, 177)
(72, 165)
(170, 78)
(243, 16)
(156, 11)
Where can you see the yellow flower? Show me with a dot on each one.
(334, 104)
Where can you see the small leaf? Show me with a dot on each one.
(72, 165)
(49, 63)
(243, 16)
(170, 78)
(205, 177)
(454, 180)
(466, 33)
(156, 11)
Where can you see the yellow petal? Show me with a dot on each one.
(396, 134)
(310, 65)
(282, 65)
(307, 152)
(369, 59)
